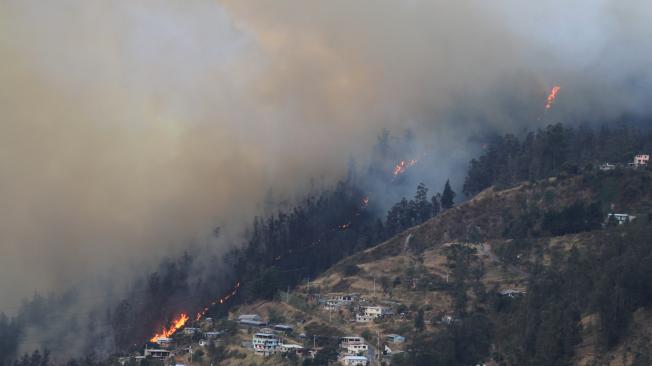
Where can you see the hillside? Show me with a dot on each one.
(476, 283)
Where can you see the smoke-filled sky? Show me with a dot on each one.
(130, 128)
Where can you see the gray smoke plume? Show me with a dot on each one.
(130, 129)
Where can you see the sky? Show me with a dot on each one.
(131, 129)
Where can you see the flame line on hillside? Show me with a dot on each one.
(182, 319)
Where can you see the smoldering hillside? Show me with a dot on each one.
(130, 130)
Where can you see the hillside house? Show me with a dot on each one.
(283, 328)
(377, 311)
(157, 353)
(356, 348)
(607, 167)
(345, 341)
(266, 343)
(251, 319)
(620, 219)
(511, 293)
(354, 361)
(291, 348)
(164, 342)
(641, 160)
(395, 338)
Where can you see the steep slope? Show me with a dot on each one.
(452, 269)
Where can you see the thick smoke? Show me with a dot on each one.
(130, 129)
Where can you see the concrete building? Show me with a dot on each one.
(641, 160)
(265, 342)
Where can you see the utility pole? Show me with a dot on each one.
(379, 351)
(287, 295)
(314, 341)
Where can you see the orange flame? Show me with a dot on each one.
(177, 323)
(183, 318)
(221, 300)
(552, 96)
(402, 166)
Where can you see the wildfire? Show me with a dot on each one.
(221, 300)
(552, 96)
(177, 323)
(345, 226)
(365, 201)
(402, 166)
(183, 318)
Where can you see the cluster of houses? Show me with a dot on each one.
(353, 350)
(166, 347)
(363, 313)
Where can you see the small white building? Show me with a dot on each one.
(291, 348)
(641, 160)
(345, 341)
(620, 218)
(165, 342)
(156, 353)
(356, 348)
(606, 167)
(354, 361)
(511, 293)
(265, 342)
(377, 311)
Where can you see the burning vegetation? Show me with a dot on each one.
(402, 166)
(552, 96)
(177, 323)
(182, 319)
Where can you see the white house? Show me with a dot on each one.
(606, 167)
(265, 342)
(345, 341)
(621, 218)
(291, 348)
(356, 348)
(511, 293)
(354, 361)
(165, 342)
(377, 311)
(156, 353)
(641, 159)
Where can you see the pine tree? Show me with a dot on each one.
(447, 197)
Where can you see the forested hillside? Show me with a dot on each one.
(538, 209)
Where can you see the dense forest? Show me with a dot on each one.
(507, 160)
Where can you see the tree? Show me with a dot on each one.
(419, 322)
(447, 196)
(422, 207)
